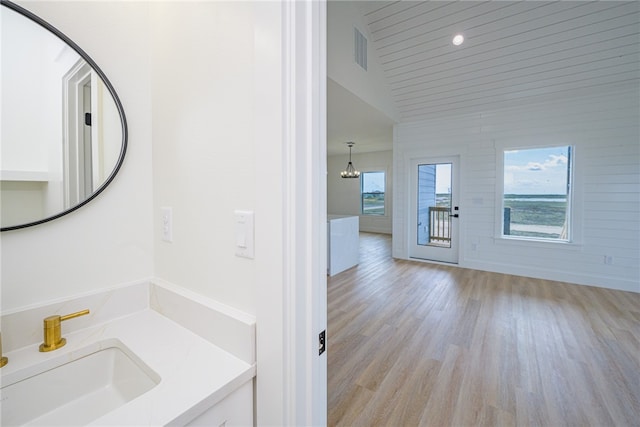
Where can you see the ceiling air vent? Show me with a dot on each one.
(360, 49)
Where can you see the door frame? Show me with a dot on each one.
(403, 154)
(454, 254)
(73, 158)
(290, 233)
(305, 210)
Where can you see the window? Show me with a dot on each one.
(537, 193)
(372, 185)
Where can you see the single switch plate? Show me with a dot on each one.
(166, 224)
(244, 234)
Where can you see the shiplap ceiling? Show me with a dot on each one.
(513, 52)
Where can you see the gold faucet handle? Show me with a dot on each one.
(53, 330)
(74, 315)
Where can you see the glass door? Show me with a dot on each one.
(433, 233)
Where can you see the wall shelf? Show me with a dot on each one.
(30, 176)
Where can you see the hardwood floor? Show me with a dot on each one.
(412, 344)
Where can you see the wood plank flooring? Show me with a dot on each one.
(413, 344)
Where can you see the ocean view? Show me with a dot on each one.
(529, 215)
(535, 215)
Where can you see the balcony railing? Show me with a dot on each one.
(439, 225)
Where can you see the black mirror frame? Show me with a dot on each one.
(114, 95)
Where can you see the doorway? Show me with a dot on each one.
(79, 86)
(434, 212)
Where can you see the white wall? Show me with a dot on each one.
(603, 127)
(370, 85)
(343, 195)
(218, 146)
(109, 241)
(203, 148)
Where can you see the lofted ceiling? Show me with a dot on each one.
(351, 119)
(513, 53)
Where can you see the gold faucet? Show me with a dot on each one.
(53, 330)
(3, 360)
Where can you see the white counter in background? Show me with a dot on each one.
(343, 243)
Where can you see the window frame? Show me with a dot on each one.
(362, 173)
(575, 220)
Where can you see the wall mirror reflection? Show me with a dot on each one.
(63, 133)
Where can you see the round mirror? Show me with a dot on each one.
(63, 133)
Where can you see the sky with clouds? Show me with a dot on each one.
(529, 171)
(372, 182)
(443, 178)
(536, 171)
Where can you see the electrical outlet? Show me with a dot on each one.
(166, 224)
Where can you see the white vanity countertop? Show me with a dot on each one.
(195, 374)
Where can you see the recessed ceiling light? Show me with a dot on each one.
(458, 39)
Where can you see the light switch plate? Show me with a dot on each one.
(244, 230)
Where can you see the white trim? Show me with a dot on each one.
(538, 243)
(556, 275)
(449, 255)
(402, 157)
(304, 211)
(73, 149)
(575, 195)
(269, 207)
(384, 170)
(288, 132)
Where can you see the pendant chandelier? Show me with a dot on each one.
(350, 171)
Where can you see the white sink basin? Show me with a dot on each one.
(76, 388)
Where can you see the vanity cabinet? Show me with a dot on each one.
(234, 410)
